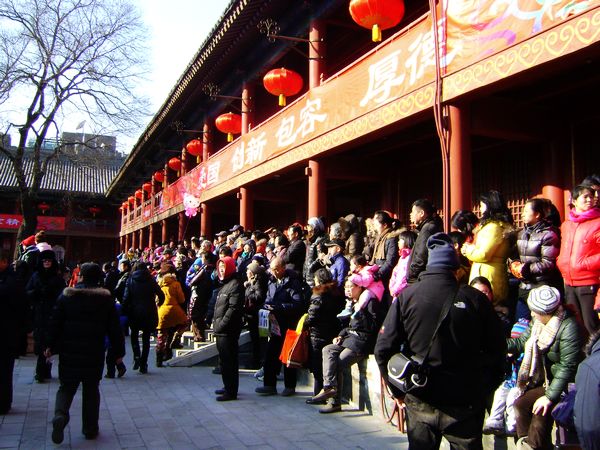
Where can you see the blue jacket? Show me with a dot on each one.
(587, 400)
(339, 268)
(285, 299)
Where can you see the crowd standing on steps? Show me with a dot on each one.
(523, 299)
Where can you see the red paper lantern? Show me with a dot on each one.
(229, 123)
(159, 176)
(282, 82)
(194, 147)
(377, 14)
(43, 207)
(94, 210)
(131, 199)
(139, 194)
(147, 187)
(124, 206)
(175, 164)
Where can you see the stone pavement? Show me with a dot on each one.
(175, 408)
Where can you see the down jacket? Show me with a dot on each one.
(170, 312)
(139, 303)
(81, 320)
(361, 335)
(229, 308)
(579, 259)
(561, 359)
(538, 247)
(326, 302)
(493, 245)
(418, 258)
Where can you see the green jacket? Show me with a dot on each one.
(561, 359)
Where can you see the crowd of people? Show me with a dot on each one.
(499, 315)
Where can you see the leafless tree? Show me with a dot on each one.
(61, 56)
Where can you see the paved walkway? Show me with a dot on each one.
(175, 408)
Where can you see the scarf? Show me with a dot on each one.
(532, 372)
(379, 251)
(592, 213)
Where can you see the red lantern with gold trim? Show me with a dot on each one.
(194, 148)
(159, 176)
(282, 82)
(229, 123)
(175, 164)
(131, 200)
(124, 206)
(43, 207)
(94, 210)
(139, 194)
(147, 187)
(377, 14)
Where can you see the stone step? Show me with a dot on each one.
(189, 357)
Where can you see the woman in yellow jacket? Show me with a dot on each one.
(494, 240)
(171, 316)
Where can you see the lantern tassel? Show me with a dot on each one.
(281, 100)
(198, 159)
(376, 33)
(229, 137)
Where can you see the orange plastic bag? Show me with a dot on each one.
(294, 352)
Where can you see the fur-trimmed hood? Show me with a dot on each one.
(89, 291)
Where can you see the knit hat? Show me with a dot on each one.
(28, 241)
(543, 300)
(47, 254)
(441, 252)
(91, 274)
(255, 268)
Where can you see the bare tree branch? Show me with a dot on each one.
(86, 55)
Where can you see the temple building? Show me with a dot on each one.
(290, 112)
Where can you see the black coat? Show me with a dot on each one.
(285, 299)
(139, 300)
(295, 256)
(13, 307)
(361, 335)
(312, 252)
(468, 354)
(255, 294)
(227, 319)
(43, 289)
(120, 287)
(387, 264)
(326, 302)
(418, 256)
(83, 317)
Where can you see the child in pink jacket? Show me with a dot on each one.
(406, 241)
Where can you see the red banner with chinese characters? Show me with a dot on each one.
(393, 81)
(48, 223)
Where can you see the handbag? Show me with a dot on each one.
(294, 352)
(409, 372)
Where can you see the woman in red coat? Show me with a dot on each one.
(579, 259)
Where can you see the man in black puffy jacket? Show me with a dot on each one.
(82, 318)
(227, 325)
(424, 216)
(466, 361)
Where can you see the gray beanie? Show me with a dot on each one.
(317, 224)
(543, 300)
(441, 252)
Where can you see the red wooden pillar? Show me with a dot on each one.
(247, 107)
(317, 200)
(151, 235)
(182, 225)
(552, 189)
(205, 225)
(316, 53)
(134, 239)
(167, 175)
(461, 179)
(121, 243)
(142, 238)
(246, 208)
(164, 231)
(186, 163)
(127, 242)
(206, 143)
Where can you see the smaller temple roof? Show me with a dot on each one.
(64, 174)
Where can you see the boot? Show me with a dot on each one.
(136, 363)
